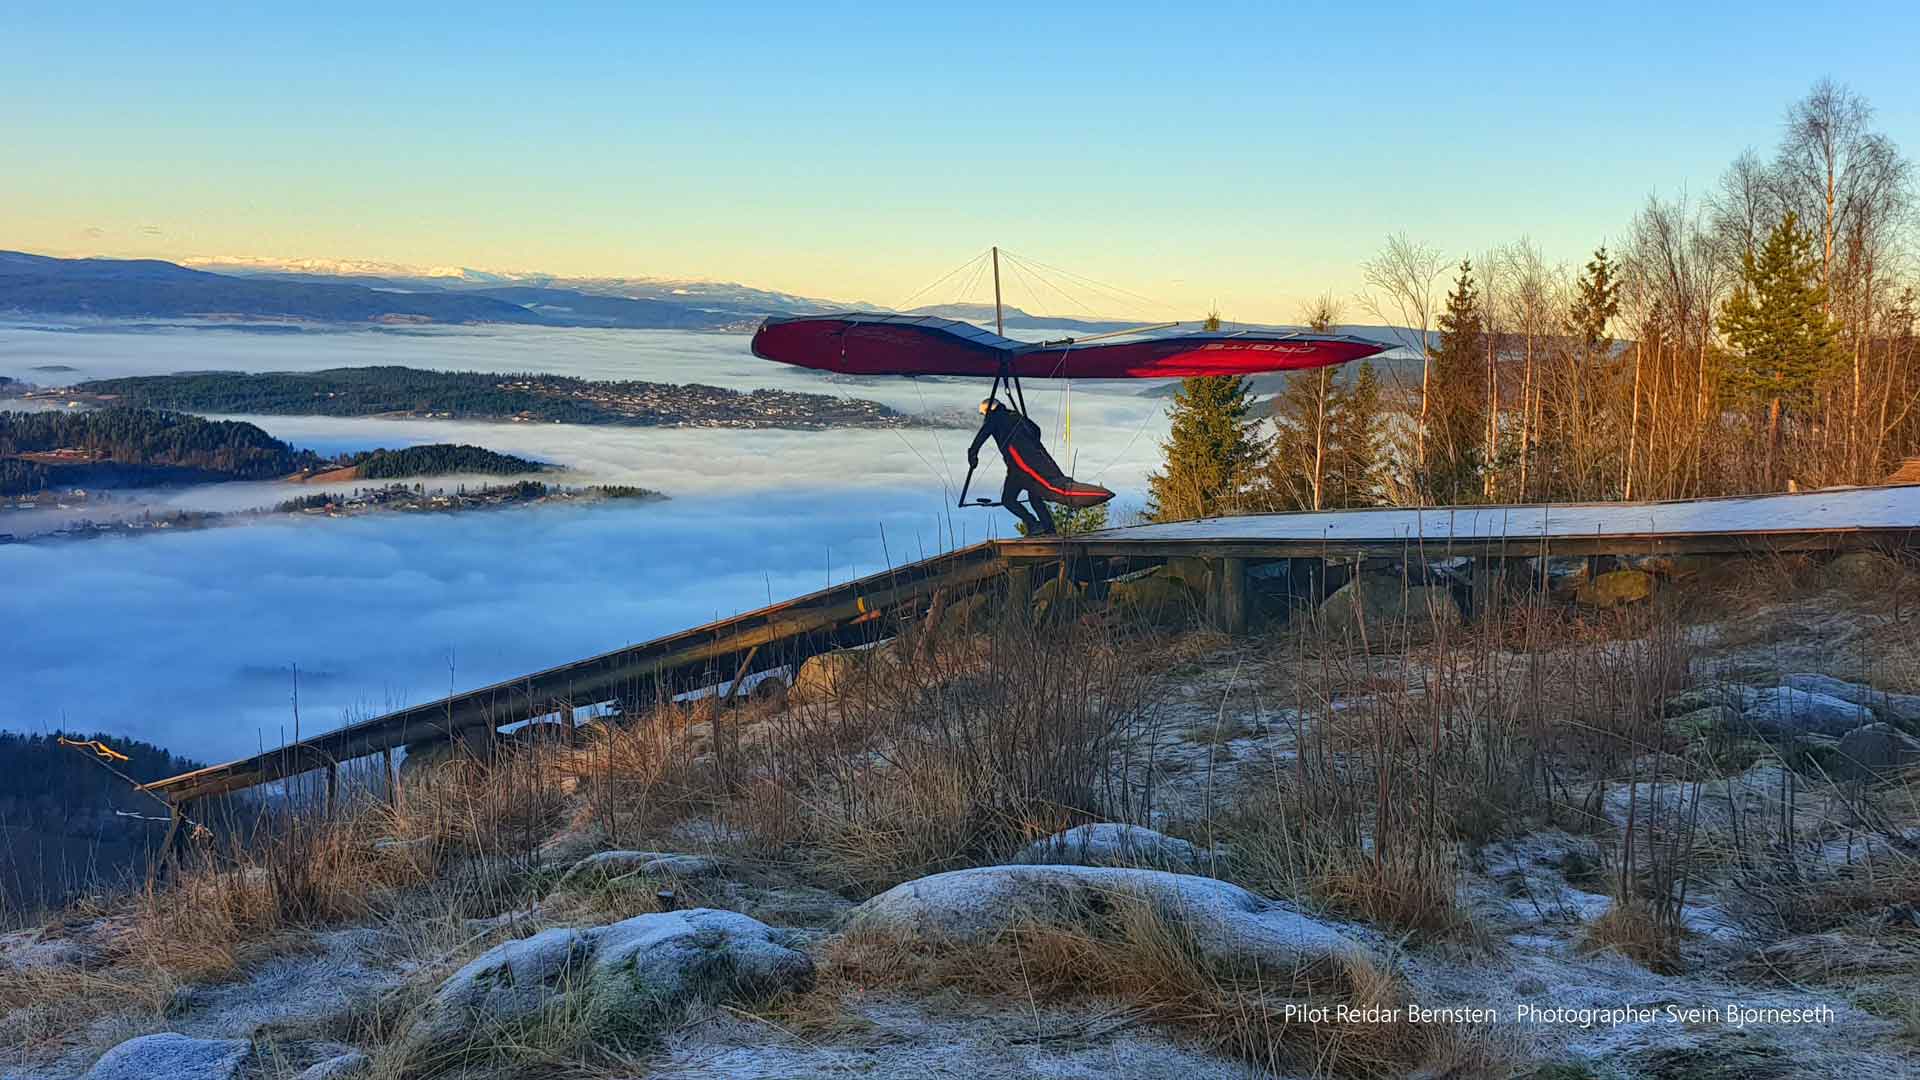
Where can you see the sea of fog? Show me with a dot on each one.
(191, 639)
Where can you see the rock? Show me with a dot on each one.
(509, 984)
(596, 870)
(1877, 751)
(1228, 925)
(1615, 588)
(822, 676)
(1563, 574)
(1109, 843)
(26, 950)
(655, 962)
(568, 847)
(1861, 568)
(1898, 708)
(1783, 710)
(967, 613)
(1056, 597)
(1700, 722)
(1672, 567)
(1157, 599)
(352, 1063)
(1695, 698)
(174, 1056)
(1382, 609)
(617, 978)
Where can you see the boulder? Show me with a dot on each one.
(1109, 843)
(352, 1063)
(1783, 710)
(1056, 598)
(656, 962)
(1383, 609)
(1700, 722)
(1562, 575)
(1615, 588)
(823, 676)
(1877, 751)
(621, 978)
(1226, 924)
(1672, 567)
(1157, 599)
(510, 984)
(1863, 569)
(176, 1057)
(1898, 708)
(967, 613)
(598, 869)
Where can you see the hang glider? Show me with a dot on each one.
(856, 343)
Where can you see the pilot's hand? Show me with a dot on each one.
(973, 459)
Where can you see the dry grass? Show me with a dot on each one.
(1631, 929)
(1144, 961)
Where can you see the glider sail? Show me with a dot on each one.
(857, 343)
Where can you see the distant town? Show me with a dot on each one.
(519, 398)
(390, 498)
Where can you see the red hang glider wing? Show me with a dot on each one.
(862, 344)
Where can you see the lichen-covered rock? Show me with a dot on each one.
(1110, 843)
(1783, 710)
(1700, 722)
(1056, 598)
(598, 869)
(1158, 599)
(621, 977)
(655, 962)
(509, 984)
(1379, 609)
(1877, 751)
(1226, 924)
(1898, 708)
(350, 1064)
(174, 1056)
(823, 676)
(1615, 588)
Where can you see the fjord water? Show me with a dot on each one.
(191, 639)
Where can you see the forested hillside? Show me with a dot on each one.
(60, 813)
(138, 437)
(439, 459)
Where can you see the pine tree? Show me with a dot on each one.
(1595, 303)
(1358, 441)
(1212, 451)
(1777, 327)
(1457, 418)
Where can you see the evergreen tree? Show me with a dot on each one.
(1212, 452)
(1358, 439)
(1326, 448)
(1075, 520)
(1457, 418)
(1777, 327)
(1596, 301)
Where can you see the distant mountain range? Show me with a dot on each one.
(152, 288)
(238, 290)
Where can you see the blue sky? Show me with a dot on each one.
(1250, 155)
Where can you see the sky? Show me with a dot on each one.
(1249, 156)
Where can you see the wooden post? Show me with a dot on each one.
(1233, 596)
(333, 787)
(1019, 591)
(393, 778)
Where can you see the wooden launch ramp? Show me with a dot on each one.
(729, 651)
